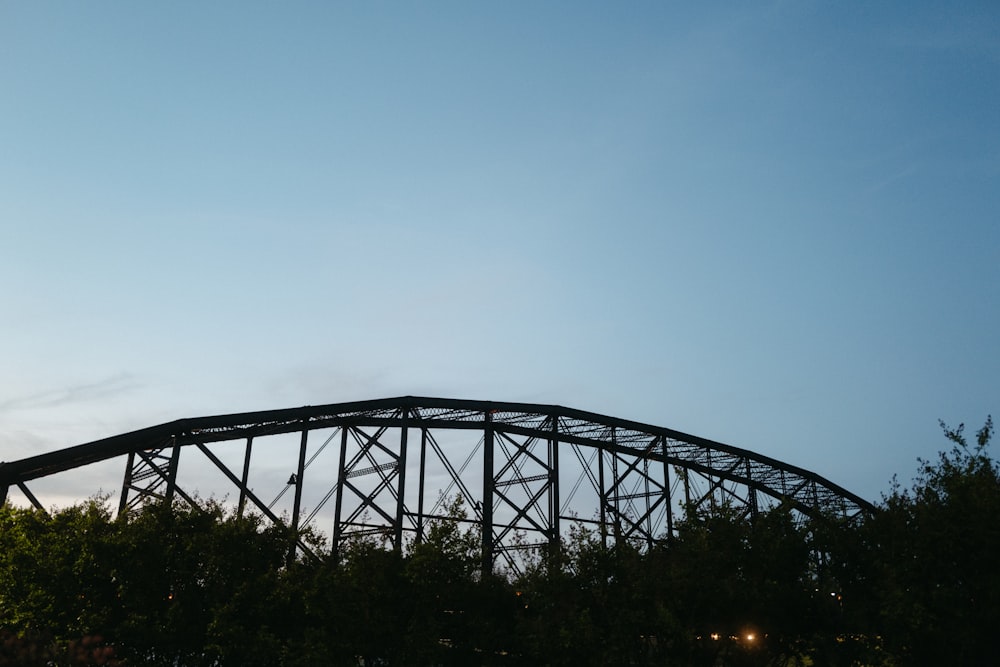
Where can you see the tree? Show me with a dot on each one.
(53, 569)
(932, 553)
(201, 585)
(443, 577)
(166, 584)
(914, 583)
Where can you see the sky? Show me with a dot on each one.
(775, 225)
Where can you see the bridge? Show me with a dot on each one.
(387, 467)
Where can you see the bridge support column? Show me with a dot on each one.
(152, 474)
(244, 480)
(370, 485)
(420, 486)
(338, 530)
(297, 503)
(555, 531)
(397, 533)
(488, 489)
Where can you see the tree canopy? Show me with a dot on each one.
(914, 583)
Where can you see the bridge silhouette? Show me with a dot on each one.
(386, 468)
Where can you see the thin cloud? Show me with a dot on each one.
(82, 393)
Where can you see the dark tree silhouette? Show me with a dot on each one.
(915, 583)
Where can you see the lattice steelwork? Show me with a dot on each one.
(524, 471)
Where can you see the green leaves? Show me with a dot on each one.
(932, 551)
(915, 583)
(167, 582)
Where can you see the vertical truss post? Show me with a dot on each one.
(3, 494)
(751, 493)
(420, 486)
(397, 537)
(244, 480)
(555, 532)
(299, 472)
(126, 484)
(175, 457)
(648, 513)
(687, 491)
(711, 483)
(341, 469)
(488, 482)
(602, 499)
(616, 510)
(666, 488)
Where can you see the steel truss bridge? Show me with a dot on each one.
(387, 468)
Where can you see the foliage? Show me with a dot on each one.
(166, 583)
(932, 557)
(914, 583)
(37, 650)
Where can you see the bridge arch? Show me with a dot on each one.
(525, 470)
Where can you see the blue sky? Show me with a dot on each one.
(774, 225)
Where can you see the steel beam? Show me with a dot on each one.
(520, 492)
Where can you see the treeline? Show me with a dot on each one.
(916, 583)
